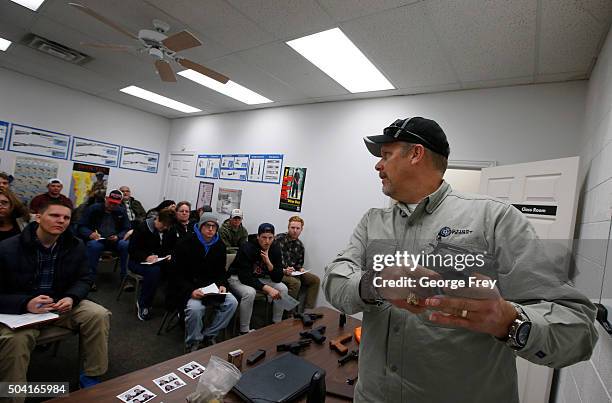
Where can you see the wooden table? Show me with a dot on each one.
(265, 338)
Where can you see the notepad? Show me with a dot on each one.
(159, 259)
(27, 319)
(298, 273)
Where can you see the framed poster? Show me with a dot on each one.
(4, 131)
(265, 168)
(228, 199)
(29, 140)
(205, 194)
(139, 160)
(208, 166)
(234, 167)
(84, 183)
(31, 176)
(95, 152)
(292, 190)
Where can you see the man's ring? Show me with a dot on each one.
(412, 299)
(464, 313)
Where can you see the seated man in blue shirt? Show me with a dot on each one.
(102, 227)
(44, 269)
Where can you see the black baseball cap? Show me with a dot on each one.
(416, 130)
(265, 227)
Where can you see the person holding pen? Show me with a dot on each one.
(103, 227)
(146, 251)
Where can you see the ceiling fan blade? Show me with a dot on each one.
(165, 71)
(103, 19)
(181, 41)
(107, 46)
(203, 70)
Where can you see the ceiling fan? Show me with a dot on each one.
(157, 44)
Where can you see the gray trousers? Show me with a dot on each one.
(246, 294)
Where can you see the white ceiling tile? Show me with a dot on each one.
(217, 20)
(486, 40)
(16, 15)
(343, 10)
(601, 10)
(402, 45)
(286, 19)
(282, 62)
(569, 38)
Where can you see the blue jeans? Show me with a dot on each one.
(95, 249)
(194, 318)
(151, 274)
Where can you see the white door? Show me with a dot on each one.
(546, 192)
(180, 177)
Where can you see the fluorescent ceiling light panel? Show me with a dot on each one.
(159, 99)
(338, 57)
(31, 4)
(231, 89)
(4, 44)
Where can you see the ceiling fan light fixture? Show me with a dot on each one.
(231, 88)
(334, 53)
(159, 99)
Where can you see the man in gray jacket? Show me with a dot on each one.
(426, 336)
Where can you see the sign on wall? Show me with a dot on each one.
(95, 152)
(139, 160)
(228, 199)
(4, 126)
(29, 140)
(208, 166)
(205, 194)
(31, 177)
(234, 167)
(292, 190)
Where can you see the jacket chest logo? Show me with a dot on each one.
(446, 231)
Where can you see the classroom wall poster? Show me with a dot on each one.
(4, 126)
(31, 177)
(208, 166)
(205, 194)
(234, 167)
(139, 160)
(83, 178)
(228, 199)
(292, 189)
(29, 140)
(95, 152)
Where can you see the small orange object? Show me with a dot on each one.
(358, 334)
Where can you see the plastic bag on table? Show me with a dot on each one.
(217, 380)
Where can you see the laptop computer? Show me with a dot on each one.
(282, 379)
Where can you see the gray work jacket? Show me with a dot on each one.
(403, 357)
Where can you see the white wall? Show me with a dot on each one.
(591, 381)
(510, 125)
(36, 103)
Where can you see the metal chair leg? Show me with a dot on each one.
(121, 287)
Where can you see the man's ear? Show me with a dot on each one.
(417, 154)
(37, 218)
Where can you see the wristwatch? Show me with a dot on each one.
(519, 330)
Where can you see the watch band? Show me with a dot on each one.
(522, 320)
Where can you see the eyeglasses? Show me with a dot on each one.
(395, 131)
(209, 226)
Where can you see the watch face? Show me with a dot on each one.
(523, 333)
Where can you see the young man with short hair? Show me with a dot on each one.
(145, 248)
(292, 250)
(54, 192)
(44, 269)
(258, 266)
(5, 181)
(200, 261)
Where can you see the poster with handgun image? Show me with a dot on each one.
(292, 189)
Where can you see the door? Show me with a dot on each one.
(180, 177)
(546, 192)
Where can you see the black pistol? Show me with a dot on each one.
(352, 355)
(308, 318)
(315, 335)
(294, 347)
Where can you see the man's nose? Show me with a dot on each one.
(379, 165)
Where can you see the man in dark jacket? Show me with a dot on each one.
(200, 262)
(44, 269)
(136, 213)
(145, 249)
(102, 227)
(258, 266)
